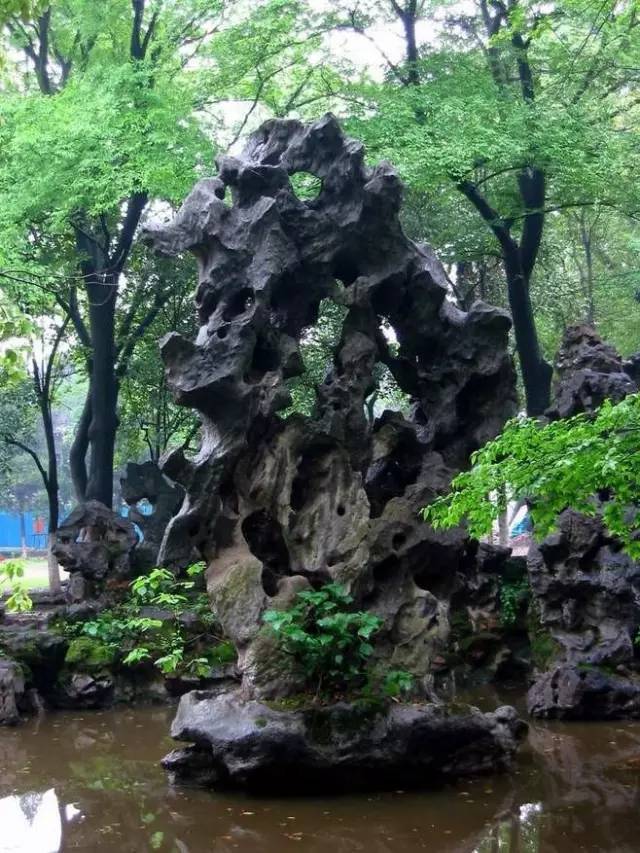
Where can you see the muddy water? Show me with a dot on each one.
(92, 781)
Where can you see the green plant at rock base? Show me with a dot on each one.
(513, 594)
(12, 575)
(127, 634)
(332, 642)
(558, 465)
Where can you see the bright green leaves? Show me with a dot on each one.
(562, 464)
(12, 577)
(329, 640)
(166, 642)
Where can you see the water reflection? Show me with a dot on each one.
(99, 787)
(33, 822)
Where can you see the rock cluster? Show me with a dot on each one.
(586, 590)
(95, 545)
(146, 481)
(250, 745)
(273, 503)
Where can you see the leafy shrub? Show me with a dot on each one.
(332, 642)
(12, 575)
(127, 633)
(513, 594)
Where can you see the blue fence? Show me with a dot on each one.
(35, 526)
(35, 529)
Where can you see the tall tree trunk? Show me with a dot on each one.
(103, 389)
(536, 372)
(78, 452)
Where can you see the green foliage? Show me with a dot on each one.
(12, 575)
(329, 640)
(567, 463)
(513, 594)
(88, 653)
(396, 683)
(332, 644)
(125, 633)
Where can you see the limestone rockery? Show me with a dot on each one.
(275, 504)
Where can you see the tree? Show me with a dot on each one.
(115, 104)
(515, 107)
(150, 422)
(590, 463)
(36, 392)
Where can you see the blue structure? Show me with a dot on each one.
(35, 527)
(10, 531)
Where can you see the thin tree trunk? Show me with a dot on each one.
(23, 536)
(55, 586)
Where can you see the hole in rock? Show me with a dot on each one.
(305, 185)
(238, 303)
(341, 510)
(434, 567)
(265, 358)
(386, 570)
(206, 301)
(222, 332)
(472, 399)
(398, 541)
(345, 269)
(263, 534)
(394, 471)
(311, 476)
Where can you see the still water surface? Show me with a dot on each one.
(92, 781)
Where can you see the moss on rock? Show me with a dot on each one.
(87, 653)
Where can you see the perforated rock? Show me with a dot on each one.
(330, 496)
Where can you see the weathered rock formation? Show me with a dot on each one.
(11, 691)
(95, 546)
(250, 745)
(276, 503)
(147, 482)
(586, 591)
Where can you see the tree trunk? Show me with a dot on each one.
(78, 452)
(536, 372)
(55, 586)
(103, 388)
(23, 536)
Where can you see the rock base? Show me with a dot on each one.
(252, 746)
(574, 692)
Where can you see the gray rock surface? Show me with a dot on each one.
(586, 591)
(331, 496)
(95, 546)
(12, 688)
(146, 481)
(250, 745)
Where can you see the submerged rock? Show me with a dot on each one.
(254, 746)
(580, 692)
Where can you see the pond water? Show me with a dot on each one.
(91, 781)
